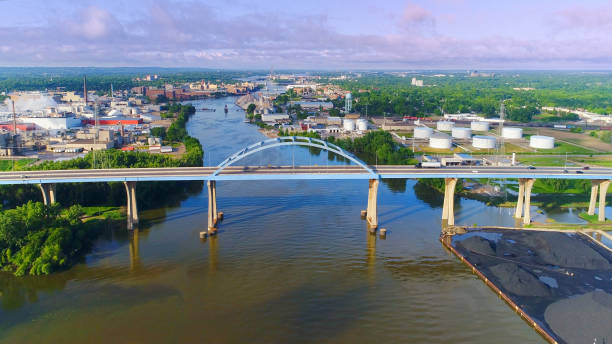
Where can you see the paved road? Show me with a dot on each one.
(297, 172)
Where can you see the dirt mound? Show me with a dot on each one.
(519, 281)
(478, 245)
(560, 249)
(582, 319)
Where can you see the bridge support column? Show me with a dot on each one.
(524, 200)
(603, 191)
(594, 190)
(518, 213)
(132, 206)
(372, 212)
(48, 193)
(213, 216)
(528, 187)
(448, 207)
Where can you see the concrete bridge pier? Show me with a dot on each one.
(372, 212)
(524, 200)
(213, 215)
(48, 193)
(132, 206)
(448, 207)
(594, 191)
(603, 191)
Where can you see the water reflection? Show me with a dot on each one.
(134, 250)
(371, 254)
(213, 255)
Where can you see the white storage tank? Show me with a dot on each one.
(422, 132)
(441, 141)
(484, 142)
(349, 125)
(114, 113)
(512, 133)
(362, 124)
(462, 133)
(479, 126)
(445, 125)
(542, 142)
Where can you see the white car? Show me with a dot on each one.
(474, 171)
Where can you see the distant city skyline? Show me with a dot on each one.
(237, 34)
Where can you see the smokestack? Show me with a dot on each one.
(85, 88)
(14, 119)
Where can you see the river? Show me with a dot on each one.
(292, 263)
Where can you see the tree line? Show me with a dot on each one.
(385, 94)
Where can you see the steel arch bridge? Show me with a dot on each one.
(292, 141)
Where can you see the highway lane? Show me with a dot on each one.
(296, 172)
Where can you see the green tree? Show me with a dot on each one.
(251, 109)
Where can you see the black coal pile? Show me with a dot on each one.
(518, 280)
(554, 277)
(582, 319)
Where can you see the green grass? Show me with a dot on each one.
(542, 161)
(598, 162)
(113, 213)
(7, 165)
(590, 218)
(514, 148)
(407, 134)
(563, 147)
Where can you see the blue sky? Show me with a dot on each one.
(314, 34)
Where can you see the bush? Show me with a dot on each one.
(36, 239)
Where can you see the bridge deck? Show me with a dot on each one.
(293, 172)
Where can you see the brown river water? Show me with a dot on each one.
(292, 263)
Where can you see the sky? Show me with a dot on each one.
(313, 34)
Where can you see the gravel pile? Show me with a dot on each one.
(582, 319)
(518, 280)
(561, 280)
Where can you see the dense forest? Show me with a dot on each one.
(36, 239)
(377, 147)
(100, 79)
(387, 94)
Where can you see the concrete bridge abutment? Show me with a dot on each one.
(132, 207)
(48, 193)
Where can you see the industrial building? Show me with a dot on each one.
(52, 123)
(274, 117)
(461, 159)
(311, 105)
